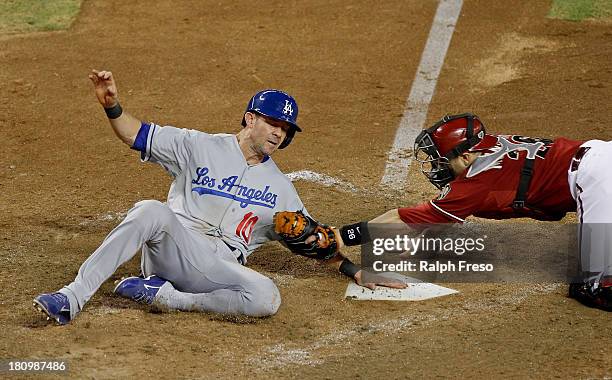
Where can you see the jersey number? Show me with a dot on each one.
(526, 141)
(351, 233)
(245, 227)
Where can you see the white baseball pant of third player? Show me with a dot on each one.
(591, 186)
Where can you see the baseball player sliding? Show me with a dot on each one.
(220, 208)
(500, 177)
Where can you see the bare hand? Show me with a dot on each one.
(105, 88)
(374, 279)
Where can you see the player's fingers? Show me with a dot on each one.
(370, 285)
(104, 75)
(311, 239)
(394, 285)
(108, 75)
(94, 79)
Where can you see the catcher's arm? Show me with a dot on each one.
(305, 236)
(356, 234)
(343, 264)
(362, 235)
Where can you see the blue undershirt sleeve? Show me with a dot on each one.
(140, 143)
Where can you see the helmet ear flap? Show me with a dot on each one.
(288, 138)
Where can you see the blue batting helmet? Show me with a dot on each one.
(277, 105)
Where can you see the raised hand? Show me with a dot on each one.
(105, 87)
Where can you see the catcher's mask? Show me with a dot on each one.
(448, 138)
(277, 105)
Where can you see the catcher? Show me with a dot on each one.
(501, 177)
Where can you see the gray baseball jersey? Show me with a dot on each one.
(215, 191)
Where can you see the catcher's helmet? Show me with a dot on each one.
(277, 105)
(448, 138)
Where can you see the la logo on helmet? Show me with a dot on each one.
(288, 109)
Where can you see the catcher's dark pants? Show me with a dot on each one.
(203, 272)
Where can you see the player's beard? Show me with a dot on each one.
(264, 149)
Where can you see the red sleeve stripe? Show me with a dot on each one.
(446, 213)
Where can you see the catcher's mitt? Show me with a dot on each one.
(296, 227)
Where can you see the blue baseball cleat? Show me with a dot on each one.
(55, 305)
(140, 289)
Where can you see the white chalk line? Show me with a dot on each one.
(323, 179)
(417, 105)
(421, 93)
(282, 355)
(106, 217)
(301, 175)
(344, 186)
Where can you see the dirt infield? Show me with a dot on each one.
(66, 180)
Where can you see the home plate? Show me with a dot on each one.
(417, 290)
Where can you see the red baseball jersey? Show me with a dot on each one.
(488, 187)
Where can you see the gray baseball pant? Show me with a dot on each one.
(203, 272)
